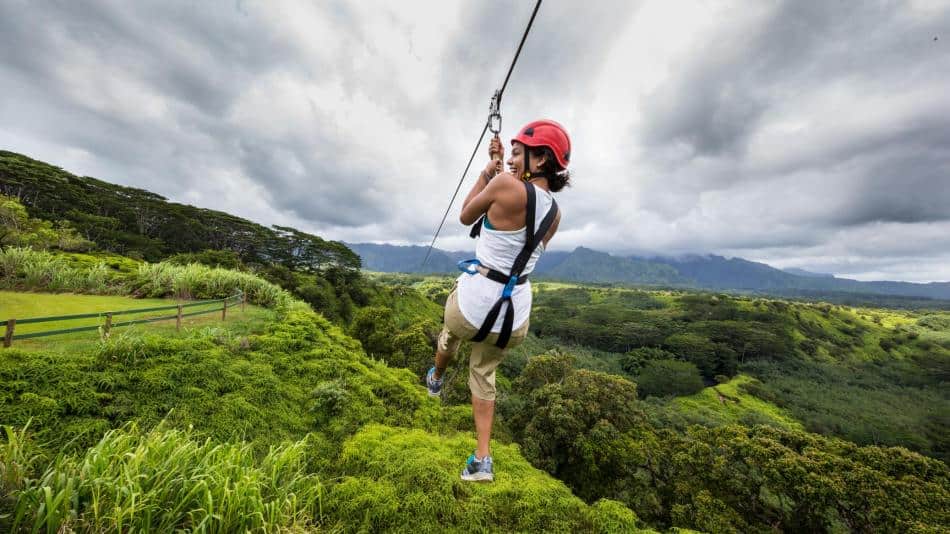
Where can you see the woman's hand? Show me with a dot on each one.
(495, 165)
(491, 169)
(495, 147)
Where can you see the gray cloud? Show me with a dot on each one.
(802, 133)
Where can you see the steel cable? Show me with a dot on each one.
(485, 129)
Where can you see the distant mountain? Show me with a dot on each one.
(809, 274)
(700, 271)
(716, 272)
(405, 259)
(587, 265)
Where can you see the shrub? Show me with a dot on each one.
(662, 378)
(195, 281)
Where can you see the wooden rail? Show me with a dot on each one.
(10, 335)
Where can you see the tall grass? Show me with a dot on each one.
(165, 481)
(28, 269)
(196, 281)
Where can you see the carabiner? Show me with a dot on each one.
(469, 266)
(494, 113)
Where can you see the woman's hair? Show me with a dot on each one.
(558, 177)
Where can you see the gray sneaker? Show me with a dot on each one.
(432, 384)
(478, 470)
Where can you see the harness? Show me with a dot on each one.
(513, 278)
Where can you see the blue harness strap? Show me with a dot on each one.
(514, 278)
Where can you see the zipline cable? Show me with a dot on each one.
(496, 103)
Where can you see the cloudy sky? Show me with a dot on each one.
(812, 134)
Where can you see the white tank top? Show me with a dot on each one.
(497, 249)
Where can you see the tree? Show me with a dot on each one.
(576, 427)
(663, 378)
(375, 328)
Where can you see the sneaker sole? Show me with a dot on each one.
(479, 477)
(433, 395)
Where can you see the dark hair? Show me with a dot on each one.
(558, 177)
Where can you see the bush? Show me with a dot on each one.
(662, 378)
(225, 259)
(195, 281)
(32, 270)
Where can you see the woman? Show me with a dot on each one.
(491, 302)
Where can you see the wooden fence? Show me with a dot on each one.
(10, 336)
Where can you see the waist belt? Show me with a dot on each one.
(534, 238)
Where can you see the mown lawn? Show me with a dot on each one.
(22, 305)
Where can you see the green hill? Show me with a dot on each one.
(311, 416)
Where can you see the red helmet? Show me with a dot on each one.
(550, 134)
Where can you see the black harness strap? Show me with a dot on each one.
(514, 278)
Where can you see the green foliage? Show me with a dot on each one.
(407, 481)
(662, 378)
(166, 480)
(935, 322)
(28, 269)
(225, 259)
(711, 358)
(266, 388)
(375, 328)
(18, 229)
(736, 401)
(881, 402)
(573, 429)
(138, 223)
(633, 361)
(195, 281)
(412, 349)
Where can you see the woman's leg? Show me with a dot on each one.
(442, 361)
(484, 412)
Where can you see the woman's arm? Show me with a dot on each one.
(481, 195)
(479, 199)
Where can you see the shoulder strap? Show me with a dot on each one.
(477, 228)
(533, 237)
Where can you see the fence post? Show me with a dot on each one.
(108, 327)
(8, 337)
(224, 309)
(178, 320)
(243, 300)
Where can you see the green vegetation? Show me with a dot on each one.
(587, 429)
(283, 419)
(19, 305)
(870, 376)
(730, 403)
(26, 269)
(18, 229)
(140, 224)
(663, 378)
(302, 379)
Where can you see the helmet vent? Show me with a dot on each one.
(529, 132)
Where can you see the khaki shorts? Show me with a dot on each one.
(485, 355)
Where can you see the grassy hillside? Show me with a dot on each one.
(300, 380)
(729, 403)
(22, 305)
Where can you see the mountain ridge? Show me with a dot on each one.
(703, 271)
